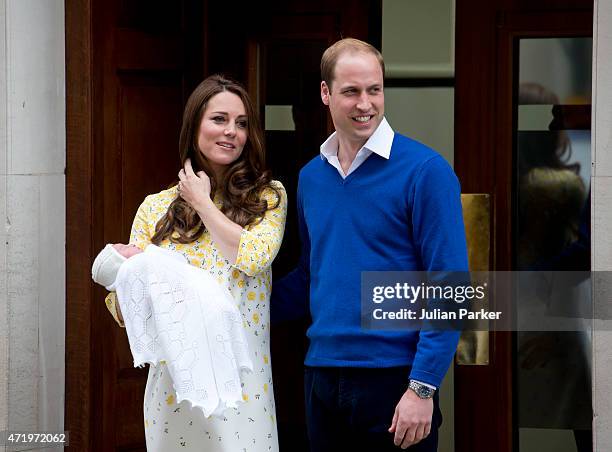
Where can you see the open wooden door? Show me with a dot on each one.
(130, 65)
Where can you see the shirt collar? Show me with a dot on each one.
(380, 142)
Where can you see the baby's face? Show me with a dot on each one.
(127, 251)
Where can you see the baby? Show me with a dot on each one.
(107, 263)
(176, 314)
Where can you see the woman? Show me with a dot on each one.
(226, 216)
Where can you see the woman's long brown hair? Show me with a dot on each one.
(242, 184)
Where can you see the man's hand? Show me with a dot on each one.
(412, 419)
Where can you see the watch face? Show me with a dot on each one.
(422, 391)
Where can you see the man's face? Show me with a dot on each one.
(356, 99)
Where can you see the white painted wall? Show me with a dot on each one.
(32, 204)
(602, 220)
(425, 114)
(418, 38)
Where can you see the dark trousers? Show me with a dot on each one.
(352, 408)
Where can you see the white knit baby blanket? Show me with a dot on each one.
(177, 313)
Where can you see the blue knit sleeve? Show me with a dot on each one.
(439, 234)
(290, 294)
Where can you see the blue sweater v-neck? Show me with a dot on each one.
(399, 214)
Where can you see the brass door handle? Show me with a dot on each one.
(473, 348)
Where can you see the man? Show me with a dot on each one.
(373, 200)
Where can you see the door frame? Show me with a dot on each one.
(80, 380)
(485, 113)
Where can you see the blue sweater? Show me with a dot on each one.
(398, 214)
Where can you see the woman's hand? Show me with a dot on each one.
(194, 188)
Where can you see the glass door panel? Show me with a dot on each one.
(552, 157)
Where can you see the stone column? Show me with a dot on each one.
(602, 221)
(32, 209)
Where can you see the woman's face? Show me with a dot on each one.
(223, 130)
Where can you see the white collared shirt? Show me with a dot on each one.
(379, 143)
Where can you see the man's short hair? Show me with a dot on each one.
(346, 45)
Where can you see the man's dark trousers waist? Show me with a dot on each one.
(352, 408)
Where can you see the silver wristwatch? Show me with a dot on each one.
(423, 391)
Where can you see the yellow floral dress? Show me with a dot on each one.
(252, 426)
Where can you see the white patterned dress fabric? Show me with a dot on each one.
(173, 426)
(177, 313)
